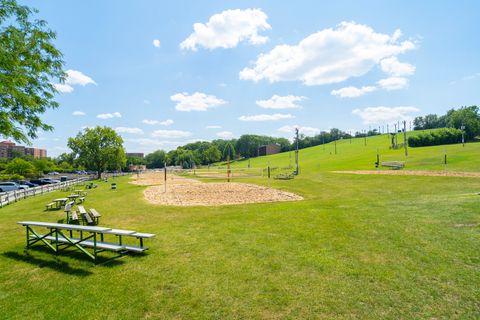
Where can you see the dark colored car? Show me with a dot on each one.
(51, 180)
(41, 182)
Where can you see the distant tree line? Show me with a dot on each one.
(469, 117)
(204, 152)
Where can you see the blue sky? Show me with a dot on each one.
(223, 69)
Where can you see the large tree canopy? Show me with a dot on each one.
(29, 63)
(98, 149)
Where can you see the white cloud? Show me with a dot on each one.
(225, 134)
(393, 83)
(64, 88)
(329, 56)
(196, 102)
(109, 115)
(381, 114)
(228, 29)
(396, 68)
(281, 102)
(150, 122)
(129, 130)
(73, 78)
(167, 122)
(171, 134)
(214, 127)
(352, 92)
(266, 117)
(308, 131)
(156, 43)
(163, 123)
(78, 113)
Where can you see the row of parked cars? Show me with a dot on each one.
(23, 184)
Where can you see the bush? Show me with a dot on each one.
(436, 137)
(11, 177)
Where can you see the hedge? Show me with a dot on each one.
(436, 137)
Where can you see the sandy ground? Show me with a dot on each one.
(189, 192)
(415, 173)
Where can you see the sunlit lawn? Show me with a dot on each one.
(356, 247)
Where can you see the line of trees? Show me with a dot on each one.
(468, 117)
(204, 152)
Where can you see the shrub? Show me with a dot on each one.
(436, 137)
(11, 177)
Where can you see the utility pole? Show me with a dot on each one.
(396, 138)
(296, 152)
(365, 137)
(405, 137)
(463, 134)
(335, 143)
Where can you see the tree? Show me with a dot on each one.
(21, 167)
(29, 62)
(212, 154)
(229, 152)
(98, 149)
(156, 159)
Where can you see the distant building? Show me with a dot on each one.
(134, 154)
(137, 167)
(8, 149)
(269, 149)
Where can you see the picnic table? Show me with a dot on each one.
(60, 202)
(60, 237)
(82, 193)
(73, 197)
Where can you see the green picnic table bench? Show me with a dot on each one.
(61, 236)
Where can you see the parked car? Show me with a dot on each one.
(10, 186)
(53, 173)
(27, 183)
(41, 182)
(51, 180)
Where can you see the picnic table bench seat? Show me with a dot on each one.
(87, 243)
(96, 216)
(85, 215)
(50, 205)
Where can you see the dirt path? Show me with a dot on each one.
(414, 173)
(190, 192)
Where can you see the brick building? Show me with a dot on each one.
(134, 154)
(8, 149)
(269, 149)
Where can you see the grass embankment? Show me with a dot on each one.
(356, 247)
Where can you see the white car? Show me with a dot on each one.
(10, 186)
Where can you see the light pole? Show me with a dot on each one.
(463, 134)
(296, 152)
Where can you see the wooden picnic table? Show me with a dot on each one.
(80, 192)
(73, 197)
(60, 202)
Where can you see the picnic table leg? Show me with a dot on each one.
(28, 237)
(95, 246)
(56, 241)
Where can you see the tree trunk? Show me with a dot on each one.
(99, 174)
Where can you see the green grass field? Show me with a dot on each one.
(357, 247)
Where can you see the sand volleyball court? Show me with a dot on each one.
(190, 192)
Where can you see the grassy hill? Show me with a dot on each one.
(369, 247)
(353, 154)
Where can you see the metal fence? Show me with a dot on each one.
(17, 195)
